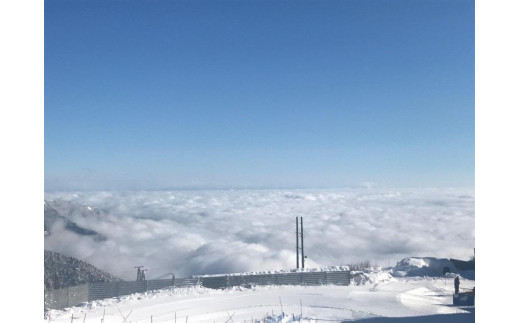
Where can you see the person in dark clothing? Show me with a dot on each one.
(457, 283)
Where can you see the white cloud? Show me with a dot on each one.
(205, 232)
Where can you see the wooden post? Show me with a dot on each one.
(103, 318)
(85, 317)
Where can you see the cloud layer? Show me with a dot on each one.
(209, 232)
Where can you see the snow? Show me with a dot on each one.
(423, 266)
(381, 298)
(281, 271)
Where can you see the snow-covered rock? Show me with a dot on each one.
(424, 266)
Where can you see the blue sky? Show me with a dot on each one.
(205, 94)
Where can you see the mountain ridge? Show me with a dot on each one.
(63, 271)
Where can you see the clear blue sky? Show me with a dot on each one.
(204, 94)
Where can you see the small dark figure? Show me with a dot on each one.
(457, 283)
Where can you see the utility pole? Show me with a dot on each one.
(303, 256)
(297, 247)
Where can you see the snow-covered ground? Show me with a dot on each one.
(379, 297)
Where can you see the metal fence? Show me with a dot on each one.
(66, 297)
(72, 296)
(303, 278)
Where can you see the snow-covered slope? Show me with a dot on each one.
(62, 271)
(429, 266)
(380, 298)
(399, 297)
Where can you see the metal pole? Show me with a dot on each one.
(297, 248)
(303, 256)
(138, 272)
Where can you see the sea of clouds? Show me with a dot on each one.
(226, 231)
